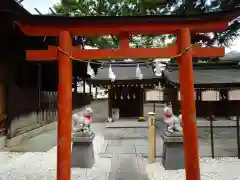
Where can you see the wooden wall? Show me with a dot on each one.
(122, 98)
(2, 104)
(220, 108)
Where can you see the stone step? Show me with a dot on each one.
(127, 124)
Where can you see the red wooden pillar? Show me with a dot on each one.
(64, 108)
(124, 41)
(190, 136)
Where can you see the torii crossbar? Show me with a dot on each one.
(66, 27)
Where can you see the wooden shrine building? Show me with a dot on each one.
(33, 83)
(127, 92)
(217, 88)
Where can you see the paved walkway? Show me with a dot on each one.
(126, 146)
(128, 141)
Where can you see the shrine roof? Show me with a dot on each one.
(9, 6)
(125, 73)
(227, 75)
(23, 15)
(62, 19)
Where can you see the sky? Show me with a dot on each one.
(43, 7)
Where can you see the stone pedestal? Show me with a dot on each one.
(82, 151)
(173, 151)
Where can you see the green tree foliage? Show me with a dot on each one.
(153, 7)
(193, 7)
(114, 8)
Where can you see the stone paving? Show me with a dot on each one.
(126, 146)
(134, 141)
(128, 141)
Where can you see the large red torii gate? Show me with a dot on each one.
(65, 27)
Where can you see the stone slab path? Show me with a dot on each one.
(128, 141)
(127, 166)
(126, 147)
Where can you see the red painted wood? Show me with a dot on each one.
(64, 108)
(134, 53)
(100, 30)
(191, 157)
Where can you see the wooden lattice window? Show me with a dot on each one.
(210, 95)
(234, 94)
(154, 95)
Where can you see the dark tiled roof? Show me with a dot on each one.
(211, 64)
(233, 55)
(221, 15)
(125, 72)
(13, 6)
(209, 77)
(157, 19)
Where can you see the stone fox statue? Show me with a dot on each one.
(174, 123)
(81, 123)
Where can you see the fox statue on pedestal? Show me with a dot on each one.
(174, 123)
(81, 123)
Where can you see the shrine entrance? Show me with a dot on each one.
(124, 27)
(128, 101)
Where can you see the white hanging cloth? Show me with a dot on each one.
(159, 68)
(90, 71)
(121, 96)
(111, 74)
(139, 74)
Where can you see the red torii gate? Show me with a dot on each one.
(65, 27)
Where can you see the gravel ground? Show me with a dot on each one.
(211, 169)
(41, 166)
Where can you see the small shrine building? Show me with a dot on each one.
(126, 92)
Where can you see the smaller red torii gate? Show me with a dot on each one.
(65, 27)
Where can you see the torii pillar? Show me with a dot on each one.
(191, 158)
(64, 107)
